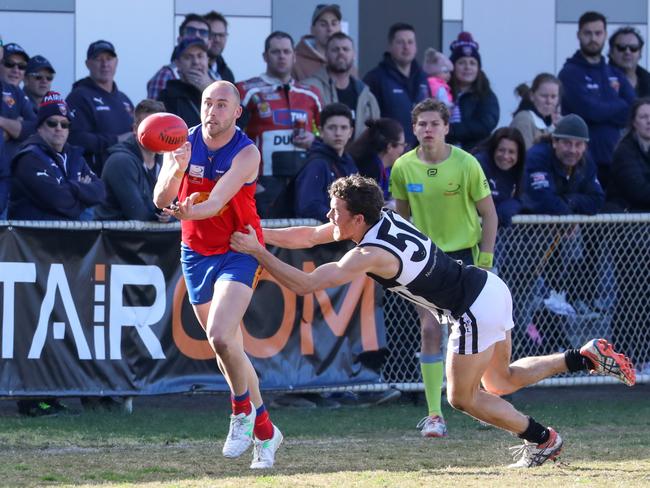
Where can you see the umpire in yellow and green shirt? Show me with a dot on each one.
(443, 190)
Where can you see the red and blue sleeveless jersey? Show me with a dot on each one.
(212, 235)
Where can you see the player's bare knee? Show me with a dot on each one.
(459, 401)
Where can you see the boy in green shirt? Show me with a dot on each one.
(444, 190)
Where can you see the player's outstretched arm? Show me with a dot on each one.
(356, 262)
(301, 237)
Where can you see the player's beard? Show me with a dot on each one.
(215, 130)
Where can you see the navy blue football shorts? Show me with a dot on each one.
(202, 272)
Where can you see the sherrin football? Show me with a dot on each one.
(162, 132)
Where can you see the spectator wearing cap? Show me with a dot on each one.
(336, 83)
(14, 64)
(130, 174)
(193, 25)
(625, 49)
(102, 115)
(17, 120)
(183, 96)
(561, 178)
(310, 50)
(398, 82)
(38, 80)
(476, 112)
(218, 39)
(50, 178)
(596, 91)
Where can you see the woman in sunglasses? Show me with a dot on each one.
(50, 178)
(625, 47)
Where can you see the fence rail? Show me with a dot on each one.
(572, 278)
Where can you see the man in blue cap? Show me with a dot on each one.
(102, 115)
(38, 79)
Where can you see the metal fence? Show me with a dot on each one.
(572, 278)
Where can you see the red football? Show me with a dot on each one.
(162, 132)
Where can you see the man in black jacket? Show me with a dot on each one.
(130, 174)
(102, 114)
(625, 48)
(183, 96)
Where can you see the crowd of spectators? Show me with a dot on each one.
(571, 148)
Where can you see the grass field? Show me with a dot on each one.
(176, 441)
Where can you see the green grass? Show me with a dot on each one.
(172, 441)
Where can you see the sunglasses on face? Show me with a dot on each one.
(12, 64)
(53, 124)
(627, 47)
(196, 32)
(41, 77)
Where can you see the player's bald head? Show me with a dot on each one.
(223, 90)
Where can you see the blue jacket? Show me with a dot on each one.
(43, 190)
(323, 166)
(397, 94)
(549, 190)
(504, 187)
(601, 95)
(14, 104)
(98, 118)
(479, 116)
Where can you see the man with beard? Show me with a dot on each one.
(218, 38)
(596, 91)
(337, 85)
(214, 176)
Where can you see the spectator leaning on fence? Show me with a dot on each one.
(326, 161)
(625, 48)
(50, 178)
(561, 179)
(444, 190)
(629, 191)
(476, 110)
(102, 114)
(130, 174)
(502, 158)
(596, 91)
(538, 109)
(336, 83)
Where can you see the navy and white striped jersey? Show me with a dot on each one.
(426, 276)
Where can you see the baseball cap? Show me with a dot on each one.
(13, 48)
(188, 42)
(571, 126)
(37, 63)
(99, 47)
(323, 8)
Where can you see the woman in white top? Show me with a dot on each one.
(538, 109)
